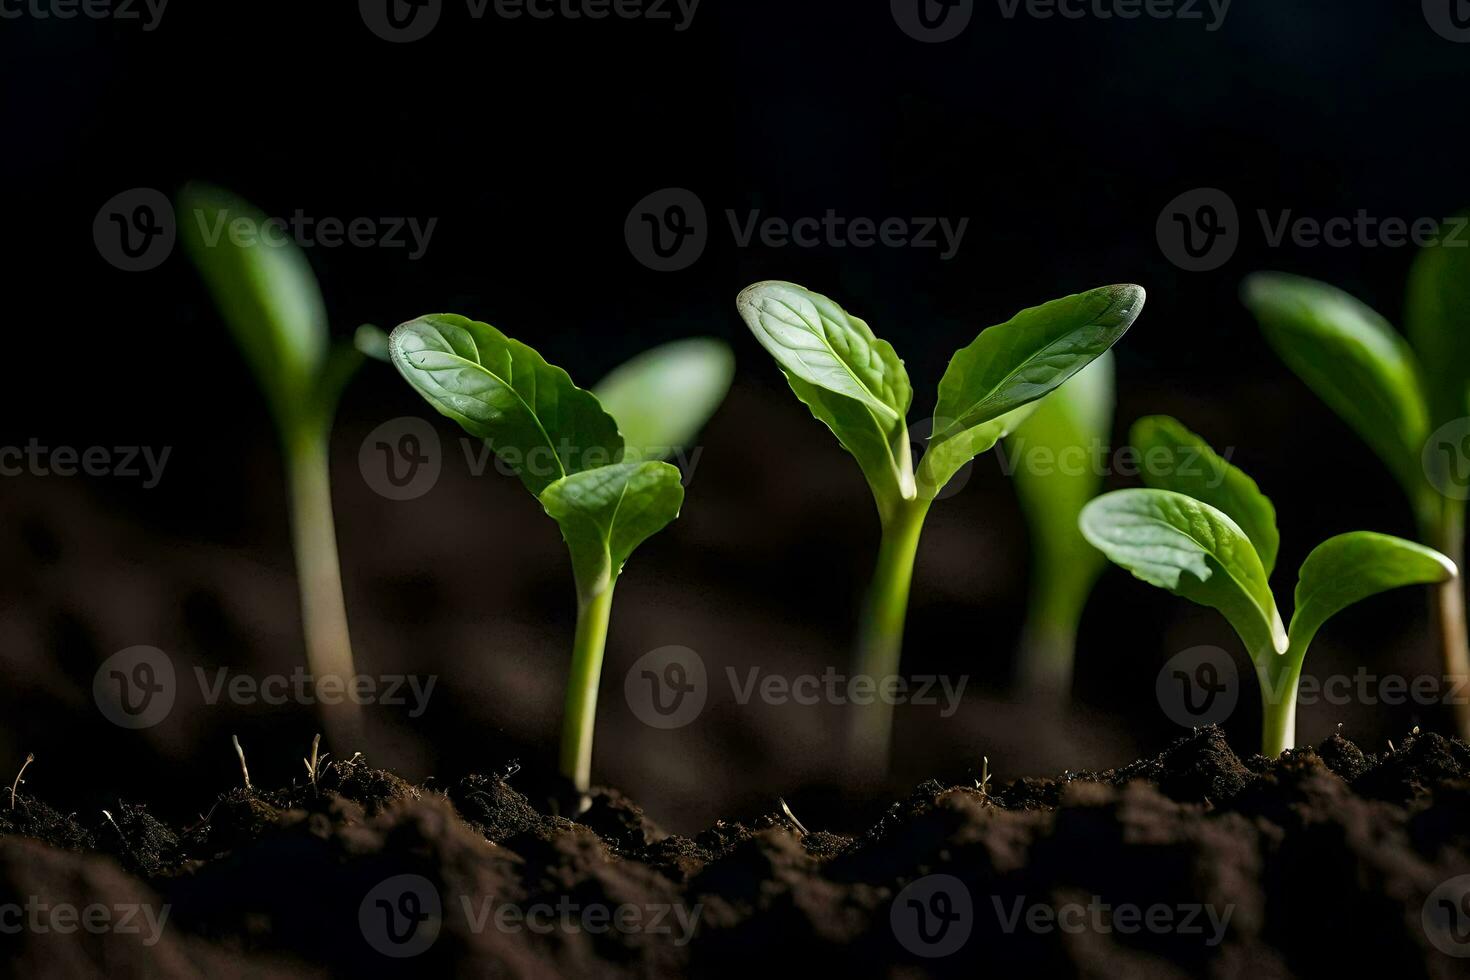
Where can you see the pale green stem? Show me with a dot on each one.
(1448, 535)
(593, 612)
(880, 642)
(1280, 675)
(1049, 640)
(319, 577)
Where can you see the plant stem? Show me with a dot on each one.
(593, 611)
(319, 577)
(1049, 643)
(881, 640)
(1279, 674)
(1448, 535)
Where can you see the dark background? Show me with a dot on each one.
(530, 141)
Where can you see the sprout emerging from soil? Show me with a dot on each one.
(608, 493)
(30, 757)
(269, 298)
(244, 769)
(857, 386)
(1408, 399)
(1203, 530)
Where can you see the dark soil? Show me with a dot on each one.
(1195, 862)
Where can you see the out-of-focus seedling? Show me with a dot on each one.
(1203, 530)
(1410, 404)
(30, 757)
(269, 298)
(856, 385)
(1052, 460)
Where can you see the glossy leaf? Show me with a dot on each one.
(1355, 362)
(1351, 567)
(1173, 458)
(606, 513)
(948, 452)
(535, 419)
(664, 396)
(1438, 321)
(1017, 362)
(1193, 550)
(265, 290)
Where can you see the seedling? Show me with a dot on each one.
(268, 297)
(1203, 530)
(1050, 459)
(244, 769)
(569, 453)
(1409, 400)
(314, 765)
(856, 384)
(30, 757)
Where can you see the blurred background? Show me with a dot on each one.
(528, 143)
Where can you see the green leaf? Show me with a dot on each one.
(1354, 361)
(946, 453)
(371, 341)
(1017, 362)
(265, 290)
(1438, 321)
(664, 396)
(1193, 550)
(1351, 567)
(606, 513)
(1067, 424)
(853, 382)
(1173, 458)
(814, 339)
(538, 422)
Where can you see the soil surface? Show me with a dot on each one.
(1327, 862)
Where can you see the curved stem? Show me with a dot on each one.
(880, 642)
(579, 719)
(319, 578)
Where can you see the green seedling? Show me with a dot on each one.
(1051, 455)
(1407, 399)
(568, 452)
(269, 298)
(856, 384)
(1203, 530)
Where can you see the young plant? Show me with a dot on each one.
(268, 297)
(856, 385)
(568, 452)
(1064, 430)
(664, 396)
(1203, 530)
(1409, 400)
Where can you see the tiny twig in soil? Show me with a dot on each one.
(30, 757)
(792, 817)
(243, 768)
(983, 783)
(314, 764)
(114, 824)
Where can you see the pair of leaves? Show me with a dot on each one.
(1367, 372)
(1204, 531)
(856, 384)
(558, 438)
(266, 292)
